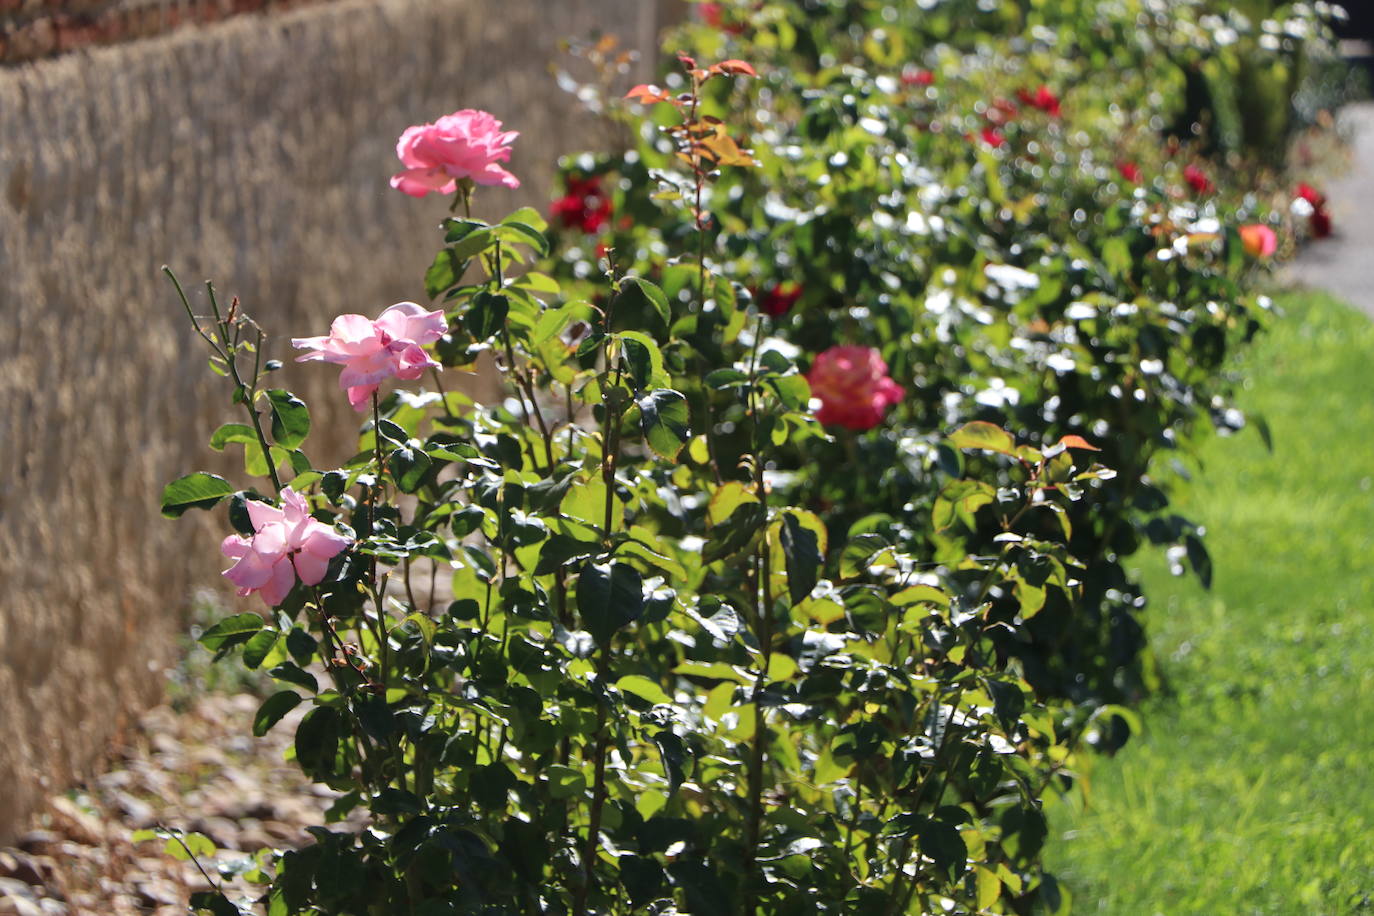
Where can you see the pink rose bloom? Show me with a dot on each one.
(286, 544)
(853, 387)
(465, 144)
(1259, 240)
(372, 351)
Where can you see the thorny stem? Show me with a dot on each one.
(763, 572)
(610, 443)
(225, 350)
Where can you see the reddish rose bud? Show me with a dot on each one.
(1129, 171)
(993, 138)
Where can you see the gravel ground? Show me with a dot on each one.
(199, 770)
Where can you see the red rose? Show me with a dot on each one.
(586, 206)
(1197, 179)
(1042, 98)
(918, 78)
(778, 300)
(1129, 171)
(993, 138)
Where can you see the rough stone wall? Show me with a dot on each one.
(255, 151)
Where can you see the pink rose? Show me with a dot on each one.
(372, 351)
(465, 144)
(286, 544)
(853, 387)
(1259, 240)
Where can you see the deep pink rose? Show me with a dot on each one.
(287, 544)
(1259, 240)
(853, 387)
(465, 144)
(373, 351)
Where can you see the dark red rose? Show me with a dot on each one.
(586, 206)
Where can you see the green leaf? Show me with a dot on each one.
(524, 234)
(736, 532)
(408, 467)
(643, 688)
(565, 781)
(610, 596)
(272, 710)
(665, 420)
(960, 499)
(290, 418)
(443, 274)
(213, 901)
(232, 432)
(261, 643)
(455, 230)
(187, 846)
(718, 379)
(528, 216)
(552, 322)
(726, 499)
(983, 435)
(231, 631)
(642, 358)
(803, 539)
(194, 491)
(792, 390)
(317, 742)
(639, 294)
(941, 843)
(294, 674)
(486, 315)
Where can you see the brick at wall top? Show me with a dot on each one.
(35, 29)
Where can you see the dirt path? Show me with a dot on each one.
(197, 770)
(1344, 264)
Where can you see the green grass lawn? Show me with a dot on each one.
(1252, 791)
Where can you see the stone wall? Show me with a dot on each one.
(255, 151)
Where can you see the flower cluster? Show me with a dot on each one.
(853, 387)
(464, 146)
(373, 351)
(287, 544)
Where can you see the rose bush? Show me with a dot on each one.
(789, 574)
(581, 656)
